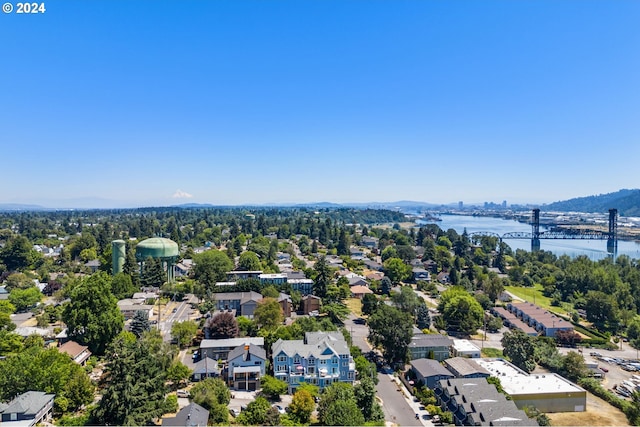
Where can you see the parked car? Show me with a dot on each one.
(280, 409)
(234, 411)
(183, 393)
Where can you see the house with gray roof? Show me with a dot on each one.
(463, 367)
(206, 368)
(473, 401)
(219, 349)
(321, 358)
(245, 367)
(192, 415)
(430, 371)
(26, 410)
(244, 303)
(430, 346)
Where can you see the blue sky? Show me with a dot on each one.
(135, 103)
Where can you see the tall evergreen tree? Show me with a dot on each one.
(152, 273)
(323, 277)
(140, 323)
(135, 377)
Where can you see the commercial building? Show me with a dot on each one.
(540, 319)
(464, 348)
(463, 367)
(547, 392)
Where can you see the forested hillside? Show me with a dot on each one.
(626, 201)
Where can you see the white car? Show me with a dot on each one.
(280, 409)
(183, 393)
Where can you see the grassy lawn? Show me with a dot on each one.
(492, 352)
(355, 305)
(535, 294)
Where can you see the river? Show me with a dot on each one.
(594, 249)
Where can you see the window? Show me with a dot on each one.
(351, 375)
(296, 359)
(282, 358)
(345, 363)
(311, 370)
(323, 361)
(281, 368)
(312, 361)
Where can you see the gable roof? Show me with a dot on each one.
(192, 415)
(242, 296)
(430, 340)
(28, 403)
(430, 368)
(359, 289)
(241, 350)
(206, 366)
(74, 350)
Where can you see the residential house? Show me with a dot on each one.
(275, 279)
(244, 303)
(463, 367)
(239, 274)
(192, 415)
(293, 275)
(304, 286)
(420, 274)
(431, 265)
(219, 349)
(369, 242)
(360, 291)
(465, 348)
(286, 304)
(476, 402)
(94, 265)
(540, 319)
(26, 410)
(372, 265)
(429, 371)
(79, 353)
(206, 368)
(356, 253)
(357, 281)
(321, 359)
(443, 277)
(310, 303)
(183, 268)
(129, 306)
(245, 367)
(513, 322)
(375, 276)
(430, 346)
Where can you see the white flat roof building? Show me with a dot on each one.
(548, 392)
(464, 348)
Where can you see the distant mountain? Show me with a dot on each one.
(20, 207)
(626, 201)
(194, 205)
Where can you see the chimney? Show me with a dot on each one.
(247, 356)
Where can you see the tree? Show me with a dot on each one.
(47, 370)
(213, 395)
(184, 332)
(519, 348)
(365, 395)
(23, 299)
(19, 281)
(273, 387)
(302, 406)
(338, 407)
(178, 372)
(396, 270)
(122, 286)
(323, 277)
(268, 314)
(135, 377)
(369, 304)
(391, 329)
(364, 368)
(152, 273)
(6, 310)
(140, 323)
(17, 254)
(385, 286)
(222, 326)
(256, 412)
(344, 243)
(573, 366)
(249, 261)
(211, 266)
(93, 317)
(337, 311)
(460, 311)
(406, 300)
(601, 308)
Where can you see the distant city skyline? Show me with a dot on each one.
(133, 104)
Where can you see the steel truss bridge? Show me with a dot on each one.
(535, 235)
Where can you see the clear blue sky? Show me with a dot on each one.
(234, 102)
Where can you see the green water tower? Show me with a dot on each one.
(118, 256)
(165, 250)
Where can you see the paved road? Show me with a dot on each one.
(173, 311)
(398, 407)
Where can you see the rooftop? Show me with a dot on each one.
(515, 381)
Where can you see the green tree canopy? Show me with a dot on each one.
(211, 266)
(396, 270)
(249, 261)
(461, 311)
(268, 314)
(93, 317)
(23, 299)
(17, 254)
(184, 332)
(391, 329)
(519, 348)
